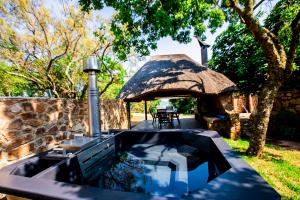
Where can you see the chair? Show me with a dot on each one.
(163, 117)
(176, 114)
(154, 116)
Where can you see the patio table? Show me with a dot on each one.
(167, 116)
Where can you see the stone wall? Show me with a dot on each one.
(233, 122)
(245, 103)
(284, 101)
(287, 100)
(113, 114)
(32, 125)
(209, 106)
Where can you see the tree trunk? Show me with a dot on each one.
(259, 120)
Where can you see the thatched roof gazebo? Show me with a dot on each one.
(174, 75)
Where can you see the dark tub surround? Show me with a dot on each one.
(165, 164)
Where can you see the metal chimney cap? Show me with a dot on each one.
(202, 43)
(91, 64)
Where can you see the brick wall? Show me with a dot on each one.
(32, 125)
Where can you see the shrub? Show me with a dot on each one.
(184, 105)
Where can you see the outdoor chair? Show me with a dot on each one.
(176, 115)
(163, 117)
(154, 116)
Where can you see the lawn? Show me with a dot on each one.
(278, 166)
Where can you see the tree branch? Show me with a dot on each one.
(76, 44)
(273, 50)
(52, 84)
(83, 93)
(33, 80)
(67, 71)
(249, 7)
(104, 51)
(57, 57)
(41, 25)
(107, 85)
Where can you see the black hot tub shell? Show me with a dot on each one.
(55, 176)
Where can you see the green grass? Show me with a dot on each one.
(278, 166)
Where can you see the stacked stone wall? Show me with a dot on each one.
(284, 101)
(287, 100)
(245, 103)
(32, 125)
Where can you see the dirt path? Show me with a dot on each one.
(292, 145)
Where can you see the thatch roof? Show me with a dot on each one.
(171, 76)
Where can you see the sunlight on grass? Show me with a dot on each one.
(278, 166)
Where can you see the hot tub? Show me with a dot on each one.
(150, 164)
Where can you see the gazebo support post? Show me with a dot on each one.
(128, 114)
(146, 110)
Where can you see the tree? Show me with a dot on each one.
(111, 78)
(184, 105)
(139, 107)
(48, 51)
(237, 56)
(147, 21)
(11, 85)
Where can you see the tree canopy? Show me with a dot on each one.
(140, 24)
(44, 51)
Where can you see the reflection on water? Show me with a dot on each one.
(124, 174)
(163, 178)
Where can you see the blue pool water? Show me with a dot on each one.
(163, 173)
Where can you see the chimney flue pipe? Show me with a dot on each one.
(204, 57)
(92, 68)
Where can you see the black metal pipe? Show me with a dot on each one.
(128, 114)
(146, 110)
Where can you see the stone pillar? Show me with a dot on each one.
(235, 126)
(235, 104)
(251, 106)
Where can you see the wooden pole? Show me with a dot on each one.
(128, 114)
(145, 110)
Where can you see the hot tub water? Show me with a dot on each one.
(170, 171)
